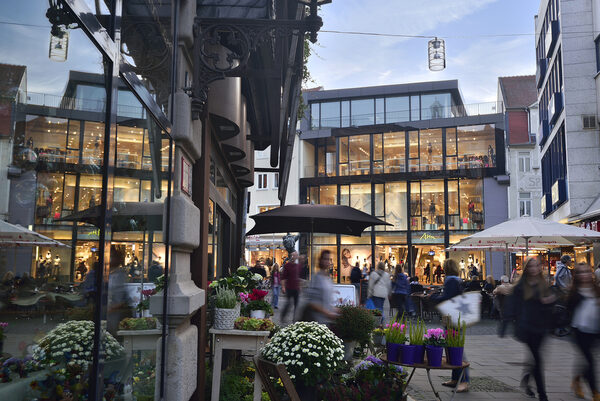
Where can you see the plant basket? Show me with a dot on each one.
(225, 318)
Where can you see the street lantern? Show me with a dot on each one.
(437, 54)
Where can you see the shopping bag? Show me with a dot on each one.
(369, 304)
(467, 306)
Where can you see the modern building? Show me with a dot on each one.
(519, 99)
(567, 73)
(414, 155)
(127, 134)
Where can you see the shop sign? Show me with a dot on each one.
(186, 176)
(591, 225)
(427, 238)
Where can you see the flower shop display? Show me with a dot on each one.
(309, 350)
(379, 336)
(416, 332)
(455, 343)
(434, 346)
(15, 368)
(257, 306)
(370, 380)
(395, 337)
(71, 344)
(227, 308)
(138, 323)
(243, 280)
(353, 324)
(253, 324)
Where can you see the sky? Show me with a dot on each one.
(472, 56)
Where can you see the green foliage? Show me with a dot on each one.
(260, 304)
(243, 280)
(354, 323)
(416, 331)
(455, 336)
(138, 323)
(237, 383)
(252, 324)
(225, 298)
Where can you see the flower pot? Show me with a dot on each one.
(225, 318)
(419, 356)
(378, 339)
(393, 352)
(454, 355)
(408, 354)
(434, 355)
(146, 313)
(258, 314)
(349, 349)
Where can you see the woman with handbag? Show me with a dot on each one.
(453, 286)
(583, 305)
(380, 286)
(529, 306)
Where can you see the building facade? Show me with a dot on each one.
(414, 155)
(567, 69)
(519, 99)
(130, 151)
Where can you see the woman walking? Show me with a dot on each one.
(529, 306)
(380, 286)
(275, 284)
(400, 291)
(453, 286)
(318, 306)
(583, 304)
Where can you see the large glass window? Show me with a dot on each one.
(477, 146)
(328, 195)
(345, 113)
(397, 109)
(451, 149)
(453, 205)
(379, 111)
(315, 116)
(360, 197)
(438, 105)
(413, 151)
(359, 154)
(363, 112)
(395, 205)
(415, 206)
(415, 108)
(431, 146)
(378, 153)
(326, 155)
(343, 156)
(471, 204)
(394, 152)
(330, 114)
(432, 199)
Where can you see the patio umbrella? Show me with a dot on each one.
(332, 219)
(527, 232)
(13, 235)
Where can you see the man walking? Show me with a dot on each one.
(290, 284)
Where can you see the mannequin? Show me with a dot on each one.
(56, 267)
(48, 257)
(462, 265)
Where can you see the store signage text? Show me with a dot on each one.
(426, 237)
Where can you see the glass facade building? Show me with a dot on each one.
(430, 180)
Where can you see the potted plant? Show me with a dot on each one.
(252, 324)
(379, 336)
(416, 331)
(310, 352)
(395, 337)
(143, 307)
(378, 315)
(353, 324)
(3, 326)
(257, 306)
(455, 343)
(434, 346)
(138, 323)
(227, 308)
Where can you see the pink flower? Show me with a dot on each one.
(243, 297)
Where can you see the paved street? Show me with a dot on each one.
(496, 365)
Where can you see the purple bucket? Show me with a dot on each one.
(419, 355)
(434, 355)
(454, 356)
(393, 352)
(408, 354)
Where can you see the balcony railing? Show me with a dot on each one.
(79, 104)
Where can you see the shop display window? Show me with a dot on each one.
(395, 205)
(394, 152)
(413, 151)
(379, 201)
(326, 157)
(432, 200)
(454, 222)
(328, 195)
(471, 204)
(93, 143)
(378, 153)
(360, 197)
(431, 148)
(359, 155)
(451, 149)
(129, 147)
(477, 146)
(345, 195)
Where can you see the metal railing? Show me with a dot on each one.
(79, 104)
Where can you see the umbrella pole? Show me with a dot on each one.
(507, 261)
(526, 246)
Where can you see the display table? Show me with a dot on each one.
(237, 340)
(427, 368)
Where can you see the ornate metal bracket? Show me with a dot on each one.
(223, 46)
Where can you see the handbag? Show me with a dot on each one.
(369, 304)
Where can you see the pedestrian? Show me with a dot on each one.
(427, 273)
(453, 286)
(562, 278)
(259, 269)
(438, 274)
(380, 286)
(528, 306)
(490, 284)
(355, 277)
(317, 298)
(304, 269)
(597, 273)
(583, 303)
(500, 293)
(275, 285)
(290, 284)
(400, 291)
(474, 272)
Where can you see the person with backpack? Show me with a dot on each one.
(355, 277)
(583, 303)
(400, 291)
(562, 277)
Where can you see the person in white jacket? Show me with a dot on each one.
(380, 286)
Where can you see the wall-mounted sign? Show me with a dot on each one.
(555, 193)
(186, 176)
(543, 203)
